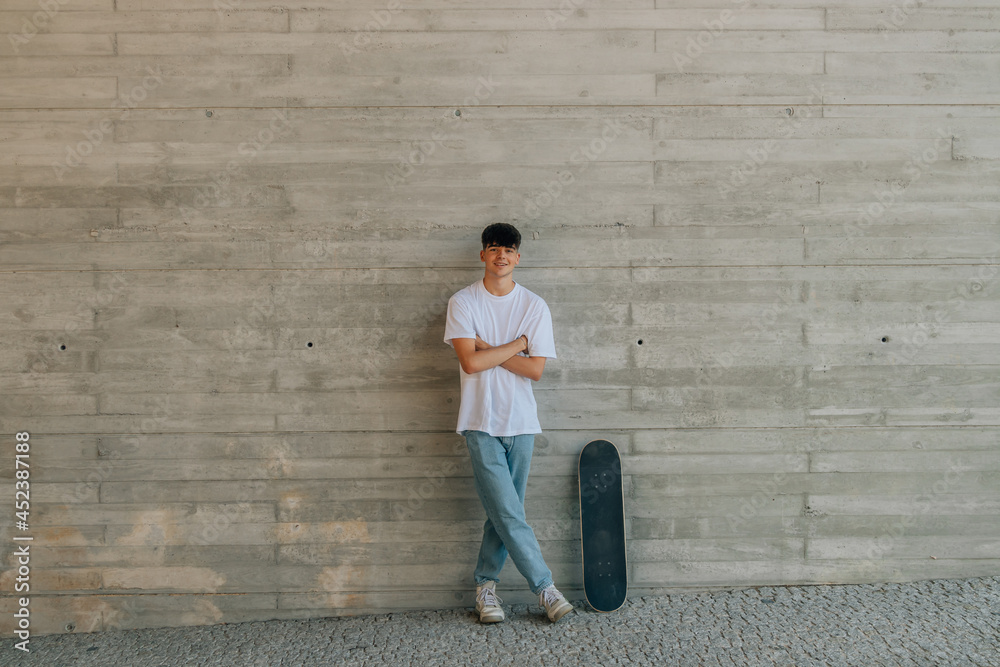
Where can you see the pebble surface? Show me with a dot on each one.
(944, 622)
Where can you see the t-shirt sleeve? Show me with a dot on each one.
(459, 322)
(541, 341)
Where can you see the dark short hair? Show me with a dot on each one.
(501, 234)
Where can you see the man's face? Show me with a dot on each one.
(500, 261)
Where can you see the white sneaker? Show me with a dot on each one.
(554, 603)
(488, 604)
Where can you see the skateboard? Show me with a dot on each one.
(602, 526)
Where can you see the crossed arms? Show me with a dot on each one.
(476, 355)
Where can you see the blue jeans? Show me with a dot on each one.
(500, 468)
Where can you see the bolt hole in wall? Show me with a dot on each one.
(639, 342)
(309, 344)
(885, 339)
(62, 347)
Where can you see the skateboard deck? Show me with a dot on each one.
(602, 526)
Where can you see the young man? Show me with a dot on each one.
(502, 334)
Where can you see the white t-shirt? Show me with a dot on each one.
(497, 401)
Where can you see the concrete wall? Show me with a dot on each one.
(768, 234)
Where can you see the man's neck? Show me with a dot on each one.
(498, 286)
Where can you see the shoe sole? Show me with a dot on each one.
(560, 612)
(491, 619)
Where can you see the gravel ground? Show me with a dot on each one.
(947, 622)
